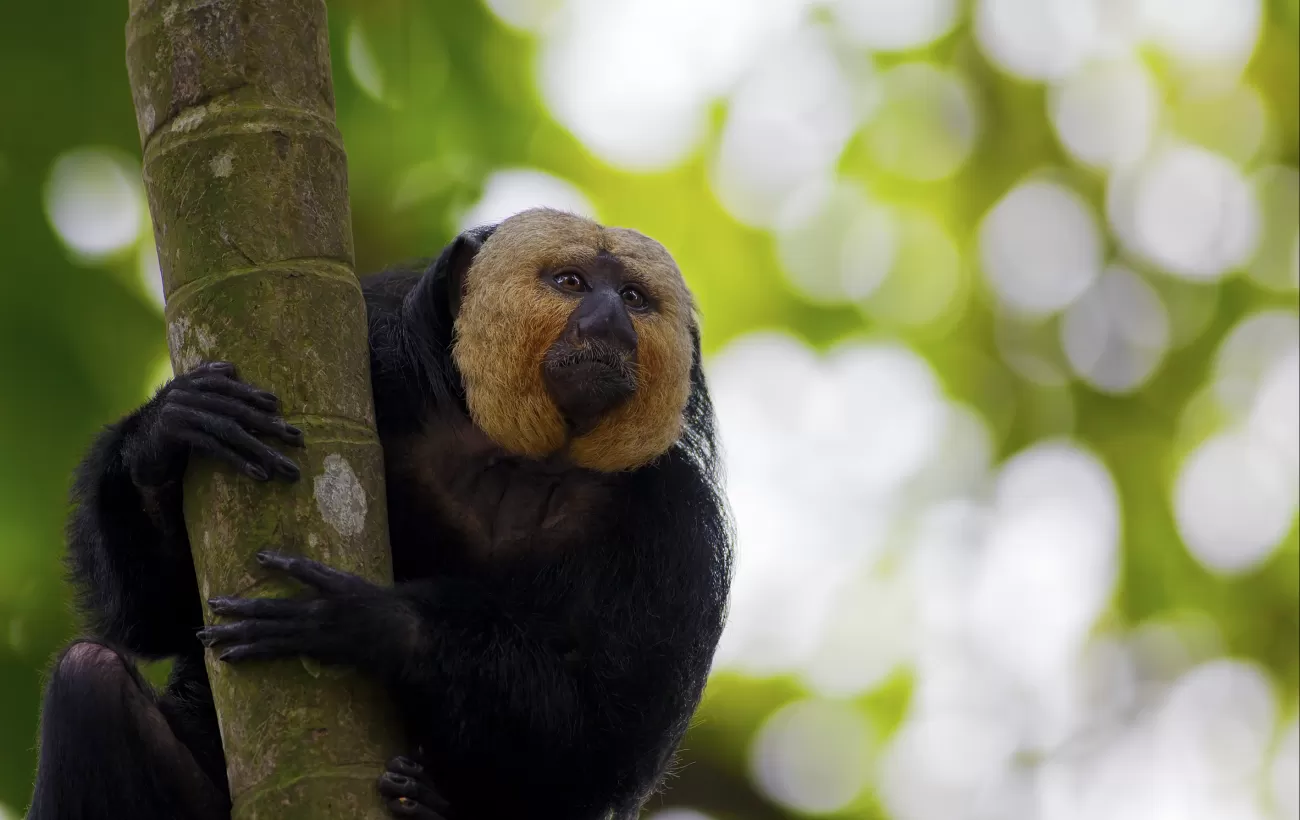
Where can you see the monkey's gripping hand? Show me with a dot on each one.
(210, 412)
(348, 621)
(406, 787)
(128, 549)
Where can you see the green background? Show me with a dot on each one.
(82, 341)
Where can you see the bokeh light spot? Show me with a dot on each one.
(1285, 774)
(1051, 560)
(1105, 113)
(924, 284)
(1217, 723)
(510, 191)
(1248, 353)
(1040, 247)
(834, 244)
(528, 15)
(1219, 31)
(1234, 500)
(363, 64)
(868, 635)
(94, 201)
(632, 79)
(1187, 210)
(1034, 39)
(926, 123)
(812, 756)
(1116, 334)
(818, 449)
(895, 25)
(939, 764)
(787, 125)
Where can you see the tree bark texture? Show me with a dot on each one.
(246, 179)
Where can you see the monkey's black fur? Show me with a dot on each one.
(537, 676)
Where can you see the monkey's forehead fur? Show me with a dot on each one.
(509, 318)
(546, 238)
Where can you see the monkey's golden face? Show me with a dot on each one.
(570, 333)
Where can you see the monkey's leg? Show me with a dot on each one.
(107, 751)
(409, 792)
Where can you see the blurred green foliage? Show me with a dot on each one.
(82, 341)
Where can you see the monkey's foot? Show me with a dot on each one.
(406, 788)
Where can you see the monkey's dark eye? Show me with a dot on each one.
(633, 297)
(569, 280)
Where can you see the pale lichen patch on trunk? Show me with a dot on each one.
(340, 497)
(189, 343)
(223, 164)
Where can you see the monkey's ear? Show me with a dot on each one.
(456, 260)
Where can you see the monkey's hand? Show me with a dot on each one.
(409, 792)
(348, 621)
(210, 412)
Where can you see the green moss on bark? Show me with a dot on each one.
(247, 184)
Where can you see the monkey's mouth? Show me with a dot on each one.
(588, 382)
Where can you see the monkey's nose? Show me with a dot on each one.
(601, 317)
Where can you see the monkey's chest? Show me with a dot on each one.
(502, 506)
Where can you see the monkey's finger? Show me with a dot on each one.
(252, 419)
(223, 384)
(406, 766)
(393, 784)
(406, 807)
(229, 433)
(247, 631)
(272, 608)
(270, 649)
(210, 446)
(202, 368)
(312, 573)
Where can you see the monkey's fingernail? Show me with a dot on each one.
(268, 397)
(291, 430)
(263, 556)
(399, 780)
(256, 472)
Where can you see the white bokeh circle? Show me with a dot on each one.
(1040, 247)
(895, 25)
(788, 122)
(1116, 334)
(812, 756)
(1234, 501)
(95, 201)
(1106, 113)
(926, 123)
(509, 191)
(1186, 210)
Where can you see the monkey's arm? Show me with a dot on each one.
(132, 570)
(445, 648)
(128, 551)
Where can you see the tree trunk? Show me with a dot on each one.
(247, 184)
